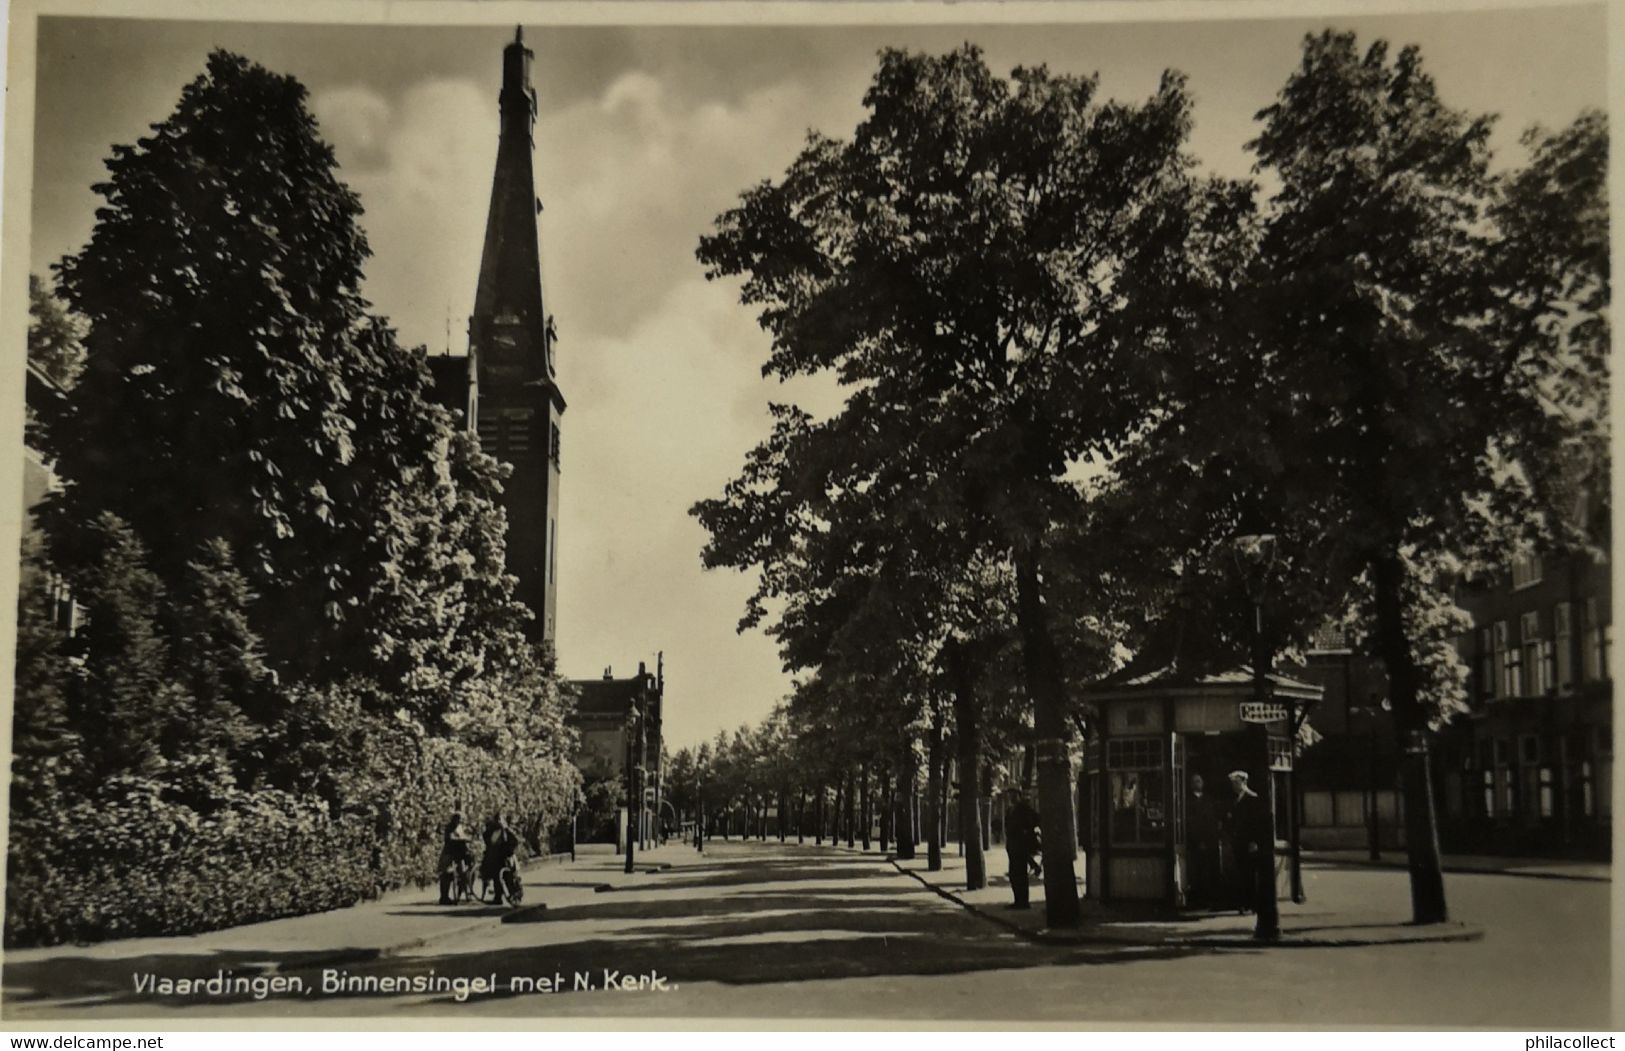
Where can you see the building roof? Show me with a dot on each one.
(1172, 677)
(449, 373)
(610, 697)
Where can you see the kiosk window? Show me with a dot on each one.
(1138, 794)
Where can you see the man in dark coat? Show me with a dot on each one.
(456, 852)
(1020, 844)
(1202, 844)
(1249, 824)
(501, 852)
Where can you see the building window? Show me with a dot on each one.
(1486, 664)
(490, 431)
(1489, 793)
(553, 445)
(1595, 641)
(1588, 801)
(1563, 633)
(1537, 654)
(1509, 677)
(1525, 571)
(1137, 794)
(552, 551)
(1498, 647)
(1529, 750)
(1546, 808)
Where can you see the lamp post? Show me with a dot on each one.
(1255, 557)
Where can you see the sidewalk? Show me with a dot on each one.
(1478, 864)
(397, 922)
(1328, 919)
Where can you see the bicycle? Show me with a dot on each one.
(462, 884)
(512, 886)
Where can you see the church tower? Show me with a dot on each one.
(514, 402)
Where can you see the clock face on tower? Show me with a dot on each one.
(508, 351)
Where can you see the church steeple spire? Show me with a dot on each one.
(508, 298)
(517, 402)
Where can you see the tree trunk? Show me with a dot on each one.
(865, 813)
(933, 788)
(887, 808)
(968, 733)
(1411, 734)
(849, 814)
(818, 817)
(905, 809)
(1042, 665)
(801, 814)
(987, 802)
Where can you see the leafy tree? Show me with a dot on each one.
(1551, 272)
(122, 700)
(980, 263)
(45, 745)
(55, 337)
(236, 386)
(221, 659)
(1407, 416)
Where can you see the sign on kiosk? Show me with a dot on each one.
(1261, 712)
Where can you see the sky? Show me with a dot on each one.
(645, 135)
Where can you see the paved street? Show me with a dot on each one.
(763, 930)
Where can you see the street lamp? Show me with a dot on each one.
(1255, 555)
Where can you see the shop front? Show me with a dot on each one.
(1158, 797)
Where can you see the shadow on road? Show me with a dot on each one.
(733, 923)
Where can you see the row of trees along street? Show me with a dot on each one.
(301, 649)
(1078, 370)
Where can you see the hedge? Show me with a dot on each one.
(131, 863)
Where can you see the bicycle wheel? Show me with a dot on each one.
(516, 887)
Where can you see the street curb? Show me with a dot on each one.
(526, 914)
(1461, 932)
(1459, 870)
(522, 915)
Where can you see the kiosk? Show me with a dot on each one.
(1150, 836)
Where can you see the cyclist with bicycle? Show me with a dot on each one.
(456, 857)
(500, 866)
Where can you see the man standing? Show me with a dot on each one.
(456, 852)
(1202, 845)
(1020, 844)
(1249, 823)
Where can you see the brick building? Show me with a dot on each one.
(1530, 768)
(619, 721)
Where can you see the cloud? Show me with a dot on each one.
(661, 368)
(422, 165)
(634, 177)
(659, 419)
